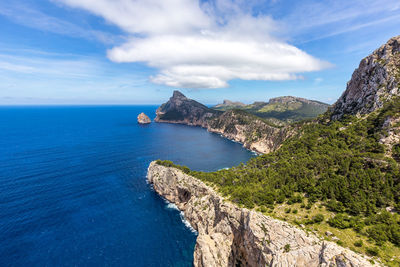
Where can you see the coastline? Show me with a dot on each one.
(229, 235)
(220, 133)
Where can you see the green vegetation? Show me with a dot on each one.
(281, 110)
(286, 248)
(339, 166)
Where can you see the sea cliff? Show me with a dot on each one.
(253, 132)
(229, 235)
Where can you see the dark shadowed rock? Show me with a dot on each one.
(180, 109)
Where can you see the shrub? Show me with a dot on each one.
(339, 221)
(358, 243)
(372, 251)
(318, 218)
(286, 248)
(335, 206)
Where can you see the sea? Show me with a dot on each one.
(73, 188)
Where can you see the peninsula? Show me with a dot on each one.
(334, 179)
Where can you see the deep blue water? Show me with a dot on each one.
(73, 186)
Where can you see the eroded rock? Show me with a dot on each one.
(232, 236)
(143, 119)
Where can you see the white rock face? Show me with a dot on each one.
(375, 81)
(232, 236)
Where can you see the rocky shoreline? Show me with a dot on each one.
(252, 132)
(232, 236)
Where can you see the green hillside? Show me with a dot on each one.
(286, 109)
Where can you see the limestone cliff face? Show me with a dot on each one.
(375, 81)
(232, 236)
(253, 132)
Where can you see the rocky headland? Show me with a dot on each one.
(232, 236)
(253, 132)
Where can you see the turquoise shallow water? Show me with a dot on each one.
(73, 190)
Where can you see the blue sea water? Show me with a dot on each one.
(73, 188)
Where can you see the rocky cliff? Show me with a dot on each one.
(180, 109)
(253, 132)
(374, 82)
(232, 236)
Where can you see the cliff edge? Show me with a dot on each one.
(232, 236)
(374, 82)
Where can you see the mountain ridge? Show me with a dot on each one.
(282, 110)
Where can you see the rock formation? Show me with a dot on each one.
(253, 132)
(143, 119)
(180, 109)
(232, 236)
(374, 82)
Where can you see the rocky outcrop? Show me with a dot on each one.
(253, 132)
(143, 119)
(180, 109)
(232, 236)
(374, 82)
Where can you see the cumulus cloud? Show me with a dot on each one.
(201, 45)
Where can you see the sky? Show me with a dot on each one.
(107, 52)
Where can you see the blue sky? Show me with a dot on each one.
(139, 51)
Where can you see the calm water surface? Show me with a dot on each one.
(73, 186)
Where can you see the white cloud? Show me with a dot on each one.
(201, 45)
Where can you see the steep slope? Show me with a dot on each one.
(374, 82)
(232, 236)
(253, 132)
(180, 109)
(281, 110)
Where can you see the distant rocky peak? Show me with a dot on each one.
(283, 99)
(373, 83)
(178, 94)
